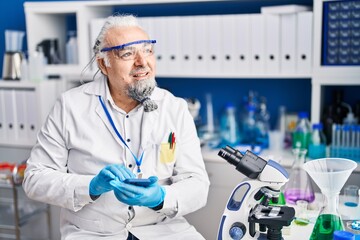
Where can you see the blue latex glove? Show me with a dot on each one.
(101, 182)
(150, 196)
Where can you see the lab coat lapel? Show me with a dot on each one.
(101, 113)
(147, 126)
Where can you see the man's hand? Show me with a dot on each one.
(101, 182)
(150, 196)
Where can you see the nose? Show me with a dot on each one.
(140, 59)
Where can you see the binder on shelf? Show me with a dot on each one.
(187, 44)
(242, 43)
(201, 34)
(257, 32)
(32, 115)
(10, 115)
(288, 43)
(21, 113)
(95, 27)
(215, 50)
(228, 56)
(272, 44)
(2, 116)
(284, 9)
(304, 42)
(172, 45)
(160, 33)
(147, 24)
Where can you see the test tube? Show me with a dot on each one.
(346, 136)
(353, 136)
(358, 136)
(333, 138)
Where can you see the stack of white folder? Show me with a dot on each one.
(18, 115)
(232, 45)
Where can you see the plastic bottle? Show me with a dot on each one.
(263, 125)
(281, 125)
(302, 133)
(24, 69)
(37, 66)
(317, 145)
(72, 49)
(229, 127)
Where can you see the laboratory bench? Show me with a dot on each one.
(223, 179)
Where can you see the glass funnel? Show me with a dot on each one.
(299, 185)
(330, 174)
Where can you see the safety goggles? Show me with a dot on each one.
(129, 51)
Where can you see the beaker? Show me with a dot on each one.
(299, 185)
(330, 174)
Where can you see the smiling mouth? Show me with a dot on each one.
(141, 74)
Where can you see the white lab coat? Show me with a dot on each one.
(77, 141)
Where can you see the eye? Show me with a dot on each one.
(148, 49)
(124, 54)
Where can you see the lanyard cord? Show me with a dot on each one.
(138, 161)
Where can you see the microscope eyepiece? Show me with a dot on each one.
(231, 155)
(249, 163)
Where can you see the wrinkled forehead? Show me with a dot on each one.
(122, 35)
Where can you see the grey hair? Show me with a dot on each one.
(127, 20)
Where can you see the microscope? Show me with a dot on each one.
(248, 203)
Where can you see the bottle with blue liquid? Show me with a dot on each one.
(317, 143)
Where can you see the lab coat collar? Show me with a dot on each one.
(98, 88)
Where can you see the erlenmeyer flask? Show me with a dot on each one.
(330, 174)
(299, 185)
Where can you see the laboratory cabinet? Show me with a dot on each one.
(23, 108)
(326, 15)
(50, 20)
(210, 56)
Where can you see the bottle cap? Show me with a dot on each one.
(251, 108)
(303, 115)
(350, 119)
(229, 105)
(343, 235)
(318, 126)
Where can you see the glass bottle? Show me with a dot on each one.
(299, 185)
(229, 129)
(302, 132)
(317, 145)
(249, 128)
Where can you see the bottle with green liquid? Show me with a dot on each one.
(325, 226)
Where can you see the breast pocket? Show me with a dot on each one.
(167, 153)
(166, 158)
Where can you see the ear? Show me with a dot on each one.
(101, 65)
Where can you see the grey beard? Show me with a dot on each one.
(141, 91)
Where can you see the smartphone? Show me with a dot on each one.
(143, 182)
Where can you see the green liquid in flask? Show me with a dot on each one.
(325, 226)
